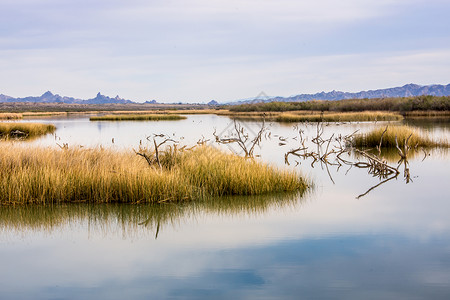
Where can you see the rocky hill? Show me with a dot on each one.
(49, 97)
(404, 91)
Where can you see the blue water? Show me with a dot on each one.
(393, 243)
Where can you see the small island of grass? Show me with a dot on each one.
(365, 116)
(10, 116)
(47, 175)
(392, 135)
(25, 130)
(139, 117)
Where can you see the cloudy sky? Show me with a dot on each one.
(195, 51)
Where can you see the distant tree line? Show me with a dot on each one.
(417, 103)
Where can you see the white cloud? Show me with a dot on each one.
(199, 50)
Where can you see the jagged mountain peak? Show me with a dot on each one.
(49, 97)
(47, 94)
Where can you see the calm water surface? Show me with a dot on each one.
(393, 243)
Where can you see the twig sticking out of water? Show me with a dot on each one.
(375, 164)
(241, 137)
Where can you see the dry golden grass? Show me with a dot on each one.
(139, 117)
(340, 117)
(372, 138)
(25, 130)
(44, 114)
(268, 116)
(10, 116)
(314, 116)
(44, 175)
(196, 111)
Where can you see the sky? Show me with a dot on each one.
(202, 50)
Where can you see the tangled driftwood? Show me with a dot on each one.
(327, 156)
(241, 137)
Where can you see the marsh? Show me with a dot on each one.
(325, 243)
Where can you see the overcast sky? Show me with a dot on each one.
(196, 51)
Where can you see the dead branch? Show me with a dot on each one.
(241, 137)
(65, 146)
(330, 152)
(381, 141)
(403, 153)
(153, 157)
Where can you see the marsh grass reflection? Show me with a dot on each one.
(132, 219)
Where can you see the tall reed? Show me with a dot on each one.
(44, 175)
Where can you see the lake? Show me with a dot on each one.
(392, 243)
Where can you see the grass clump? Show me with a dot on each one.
(226, 174)
(372, 138)
(10, 116)
(315, 116)
(340, 117)
(139, 117)
(44, 175)
(25, 130)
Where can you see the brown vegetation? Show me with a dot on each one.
(44, 175)
(10, 116)
(392, 136)
(340, 117)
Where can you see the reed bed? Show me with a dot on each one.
(417, 139)
(248, 115)
(139, 117)
(314, 116)
(256, 115)
(44, 113)
(10, 116)
(25, 130)
(197, 111)
(169, 111)
(340, 117)
(47, 175)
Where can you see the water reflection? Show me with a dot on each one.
(142, 218)
(277, 141)
(392, 244)
(429, 123)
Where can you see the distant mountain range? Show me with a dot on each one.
(404, 91)
(49, 97)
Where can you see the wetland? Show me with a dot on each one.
(356, 232)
